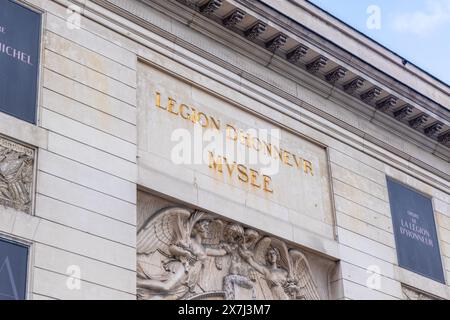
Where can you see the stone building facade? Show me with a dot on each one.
(115, 189)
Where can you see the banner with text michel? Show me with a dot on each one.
(20, 32)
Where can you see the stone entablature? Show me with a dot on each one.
(327, 68)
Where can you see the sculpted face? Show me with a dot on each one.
(272, 256)
(201, 228)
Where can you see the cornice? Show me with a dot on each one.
(296, 73)
(330, 54)
(365, 42)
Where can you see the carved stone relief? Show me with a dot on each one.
(189, 254)
(413, 294)
(16, 175)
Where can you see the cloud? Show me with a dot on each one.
(424, 22)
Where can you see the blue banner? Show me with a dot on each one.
(415, 231)
(20, 32)
(13, 270)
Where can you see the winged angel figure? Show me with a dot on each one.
(174, 238)
(286, 272)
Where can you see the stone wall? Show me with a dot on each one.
(89, 167)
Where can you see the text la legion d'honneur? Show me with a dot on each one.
(243, 174)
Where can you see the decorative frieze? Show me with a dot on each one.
(211, 6)
(233, 18)
(277, 42)
(403, 112)
(419, 121)
(434, 130)
(335, 75)
(255, 30)
(16, 175)
(297, 53)
(413, 294)
(387, 103)
(370, 94)
(317, 64)
(355, 84)
(184, 254)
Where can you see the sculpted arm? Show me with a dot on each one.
(179, 252)
(215, 252)
(249, 259)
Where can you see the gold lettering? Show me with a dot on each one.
(269, 148)
(253, 177)
(286, 158)
(170, 106)
(214, 163)
(184, 115)
(307, 166)
(243, 173)
(244, 138)
(278, 151)
(257, 144)
(158, 101)
(194, 116)
(267, 180)
(230, 168)
(243, 176)
(230, 127)
(216, 123)
(298, 161)
(204, 124)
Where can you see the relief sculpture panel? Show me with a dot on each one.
(16, 175)
(190, 254)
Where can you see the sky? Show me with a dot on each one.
(417, 30)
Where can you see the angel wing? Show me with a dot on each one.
(261, 249)
(161, 230)
(302, 273)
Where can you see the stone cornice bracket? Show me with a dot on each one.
(255, 30)
(211, 6)
(335, 75)
(233, 18)
(419, 121)
(370, 94)
(445, 138)
(317, 64)
(297, 53)
(403, 112)
(189, 3)
(387, 103)
(276, 43)
(434, 130)
(354, 85)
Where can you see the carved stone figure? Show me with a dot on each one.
(16, 175)
(177, 235)
(286, 272)
(239, 273)
(194, 255)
